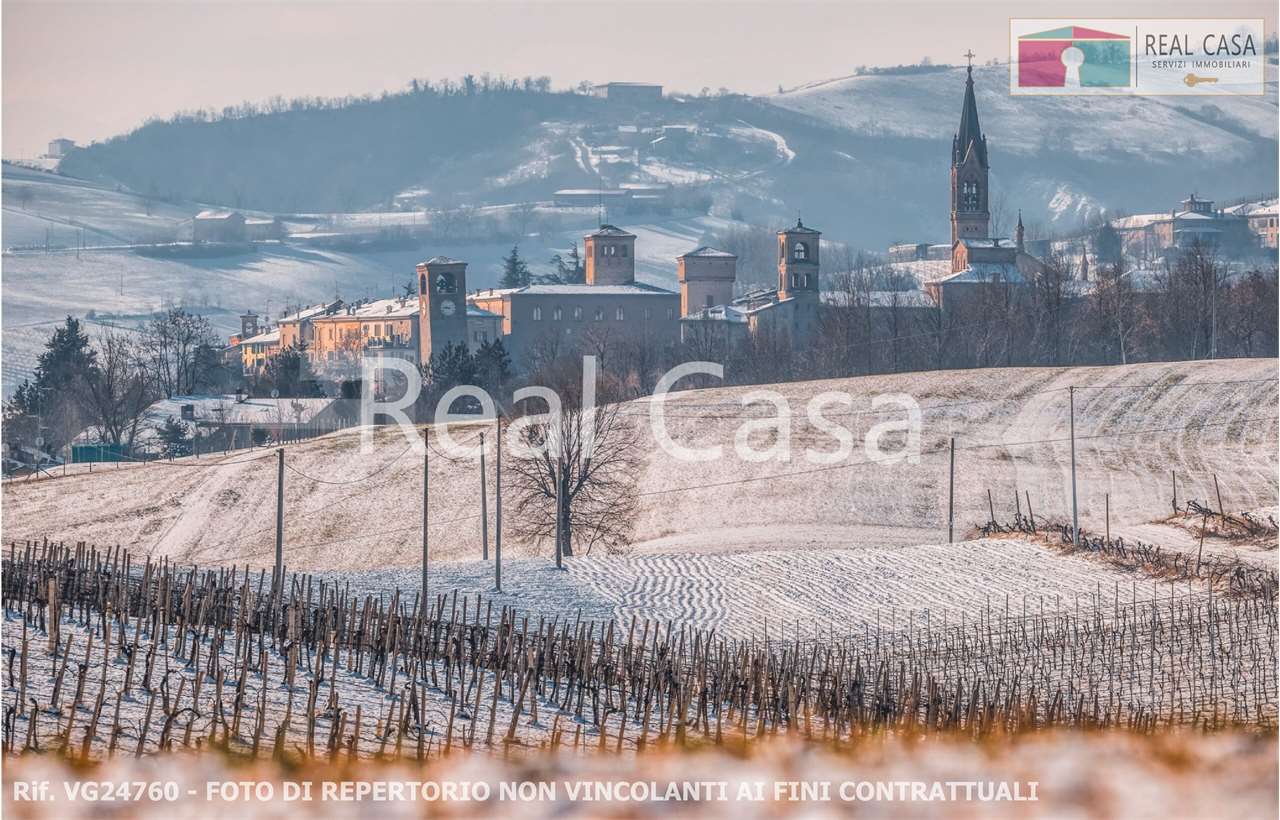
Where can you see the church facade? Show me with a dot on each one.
(979, 261)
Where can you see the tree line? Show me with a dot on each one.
(107, 382)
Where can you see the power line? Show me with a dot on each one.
(1121, 433)
(383, 468)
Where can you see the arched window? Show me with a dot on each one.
(537, 314)
(800, 252)
(422, 284)
(577, 313)
(557, 315)
(619, 315)
(599, 316)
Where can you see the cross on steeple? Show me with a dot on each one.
(970, 55)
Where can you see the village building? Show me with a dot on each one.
(790, 309)
(633, 93)
(706, 276)
(218, 226)
(384, 328)
(263, 229)
(610, 307)
(60, 147)
(1147, 237)
(256, 350)
(218, 421)
(1264, 222)
(297, 328)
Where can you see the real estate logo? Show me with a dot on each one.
(1074, 57)
(1151, 56)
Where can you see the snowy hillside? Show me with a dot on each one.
(1149, 128)
(46, 208)
(1134, 424)
(121, 286)
(863, 157)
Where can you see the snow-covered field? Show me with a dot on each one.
(1135, 426)
(811, 594)
(41, 206)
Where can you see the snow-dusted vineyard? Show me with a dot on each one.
(108, 657)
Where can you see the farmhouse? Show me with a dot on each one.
(218, 226)
(60, 147)
(634, 93)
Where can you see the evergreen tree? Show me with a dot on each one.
(492, 365)
(175, 437)
(47, 406)
(289, 373)
(515, 271)
(1106, 244)
(451, 367)
(568, 269)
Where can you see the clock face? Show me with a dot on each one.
(447, 307)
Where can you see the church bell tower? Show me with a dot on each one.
(970, 186)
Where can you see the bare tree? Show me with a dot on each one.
(587, 456)
(171, 351)
(1115, 310)
(115, 391)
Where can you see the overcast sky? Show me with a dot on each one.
(88, 70)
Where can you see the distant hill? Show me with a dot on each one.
(863, 157)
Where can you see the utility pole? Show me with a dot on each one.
(951, 497)
(497, 513)
(426, 486)
(559, 510)
(1075, 510)
(279, 570)
(484, 506)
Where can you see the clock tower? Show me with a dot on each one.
(442, 305)
(970, 207)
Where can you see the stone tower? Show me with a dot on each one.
(611, 256)
(706, 278)
(442, 305)
(970, 206)
(798, 262)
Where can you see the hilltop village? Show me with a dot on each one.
(611, 305)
